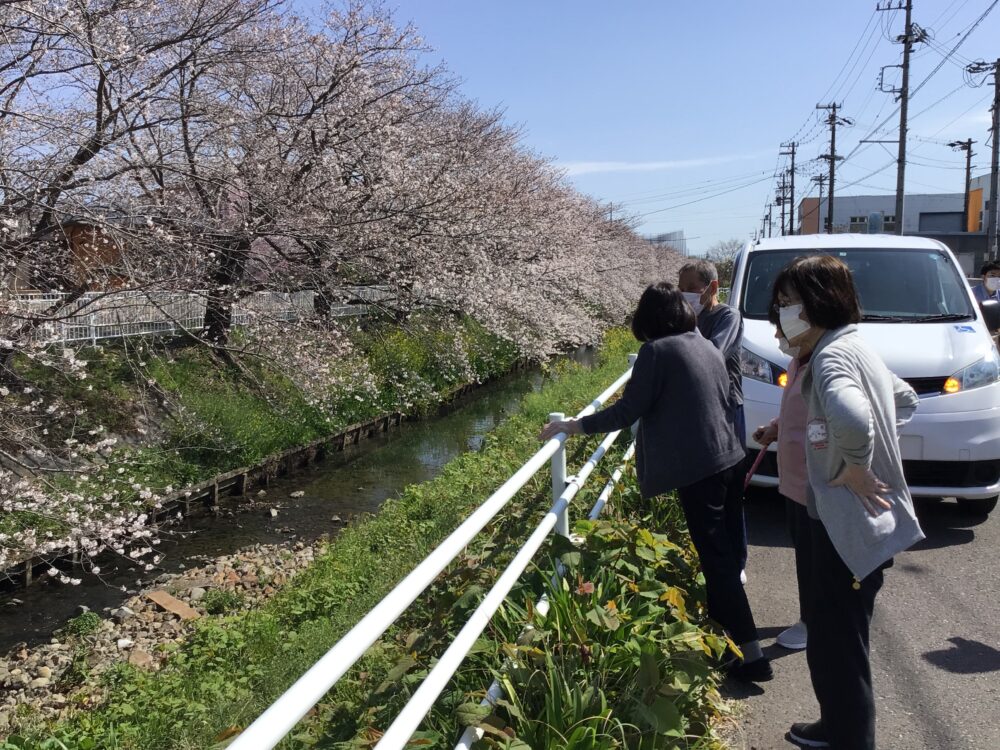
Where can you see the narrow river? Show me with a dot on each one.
(355, 481)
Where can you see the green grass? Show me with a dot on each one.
(265, 650)
(233, 667)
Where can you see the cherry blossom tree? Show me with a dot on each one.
(224, 148)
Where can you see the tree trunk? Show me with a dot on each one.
(232, 262)
(7, 374)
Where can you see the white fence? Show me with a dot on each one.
(272, 726)
(97, 316)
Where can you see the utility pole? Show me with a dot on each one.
(911, 33)
(991, 232)
(770, 227)
(966, 146)
(820, 178)
(991, 224)
(791, 190)
(833, 121)
(780, 200)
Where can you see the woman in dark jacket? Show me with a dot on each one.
(679, 394)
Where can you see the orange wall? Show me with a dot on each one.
(809, 215)
(975, 206)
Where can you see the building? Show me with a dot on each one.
(923, 213)
(979, 202)
(77, 254)
(939, 216)
(674, 240)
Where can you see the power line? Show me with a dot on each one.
(861, 37)
(695, 188)
(930, 75)
(707, 197)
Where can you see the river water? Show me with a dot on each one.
(355, 481)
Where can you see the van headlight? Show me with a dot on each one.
(756, 367)
(984, 372)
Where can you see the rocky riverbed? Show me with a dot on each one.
(51, 679)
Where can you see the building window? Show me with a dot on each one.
(859, 224)
(889, 224)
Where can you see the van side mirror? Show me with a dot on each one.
(991, 314)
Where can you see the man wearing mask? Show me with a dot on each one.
(722, 325)
(990, 288)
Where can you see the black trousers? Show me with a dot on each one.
(798, 529)
(838, 618)
(714, 511)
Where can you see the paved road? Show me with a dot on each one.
(935, 636)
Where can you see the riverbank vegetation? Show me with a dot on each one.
(231, 175)
(168, 415)
(623, 658)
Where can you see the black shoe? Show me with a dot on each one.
(758, 670)
(808, 735)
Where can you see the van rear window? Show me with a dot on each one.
(894, 285)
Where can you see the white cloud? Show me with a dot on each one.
(593, 167)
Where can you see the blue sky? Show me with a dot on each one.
(676, 109)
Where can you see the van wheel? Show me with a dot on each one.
(978, 507)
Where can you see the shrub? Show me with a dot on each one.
(222, 601)
(84, 624)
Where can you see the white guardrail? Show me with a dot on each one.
(96, 316)
(272, 726)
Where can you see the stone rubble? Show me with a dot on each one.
(44, 681)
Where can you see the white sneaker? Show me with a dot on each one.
(743, 577)
(793, 638)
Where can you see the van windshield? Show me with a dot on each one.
(894, 285)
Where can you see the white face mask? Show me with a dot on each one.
(786, 348)
(993, 283)
(694, 299)
(791, 324)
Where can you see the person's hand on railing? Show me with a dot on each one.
(569, 426)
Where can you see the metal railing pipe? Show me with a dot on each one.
(559, 479)
(494, 693)
(406, 723)
(272, 725)
(602, 499)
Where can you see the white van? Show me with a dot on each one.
(921, 316)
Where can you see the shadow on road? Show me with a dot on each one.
(765, 514)
(736, 690)
(946, 524)
(965, 657)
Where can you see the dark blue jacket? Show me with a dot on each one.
(679, 392)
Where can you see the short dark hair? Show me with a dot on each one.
(826, 287)
(990, 265)
(662, 311)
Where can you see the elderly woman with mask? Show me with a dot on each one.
(860, 513)
(679, 394)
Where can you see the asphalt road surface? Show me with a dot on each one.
(935, 636)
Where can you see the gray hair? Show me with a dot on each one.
(705, 269)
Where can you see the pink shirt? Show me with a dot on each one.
(793, 479)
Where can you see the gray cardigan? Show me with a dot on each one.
(855, 406)
(679, 392)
